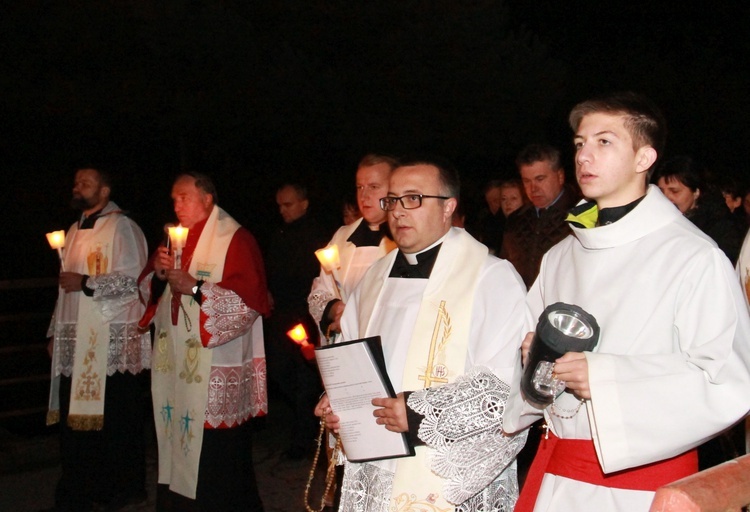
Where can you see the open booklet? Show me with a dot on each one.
(353, 373)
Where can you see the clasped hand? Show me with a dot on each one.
(572, 368)
(179, 280)
(390, 412)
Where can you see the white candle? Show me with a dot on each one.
(330, 261)
(178, 236)
(56, 241)
(329, 257)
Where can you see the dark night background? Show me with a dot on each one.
(255, 91)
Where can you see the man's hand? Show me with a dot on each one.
(335, 314)
(70, 281)
(525, 347)
(163, 262)
(392, 413)
(574, 370)
(323, 411)
(181, 281)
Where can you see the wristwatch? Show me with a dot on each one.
(196, 290)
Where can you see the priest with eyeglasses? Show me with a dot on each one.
(450, 317)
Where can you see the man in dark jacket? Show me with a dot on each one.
(291, 266)
(532, 230)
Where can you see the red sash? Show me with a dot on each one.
(576, 459)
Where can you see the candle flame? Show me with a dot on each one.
(178, 236)
(56, 239)
(329, 257)
(297, 334)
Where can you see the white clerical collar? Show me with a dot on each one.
(412, 258)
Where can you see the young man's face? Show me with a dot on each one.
(608, 169)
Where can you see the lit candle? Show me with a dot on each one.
(56, 240)
(177, 236)
(298, 334)
(330, 261)
(329, 257)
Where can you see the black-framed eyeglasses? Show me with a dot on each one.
(409, 201)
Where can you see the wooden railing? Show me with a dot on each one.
(723, 488)
(25, 310)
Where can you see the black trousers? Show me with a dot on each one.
(292, 378)
(109, 464)
(226, 477)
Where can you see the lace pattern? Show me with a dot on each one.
(128, 350)
(236, 392)
(228, 316)
(65, 339)
(317, 302)
(463, 426)
(366, 488)
(500, 496)
(113, 293)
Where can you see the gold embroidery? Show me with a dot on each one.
(409, 503)
(438, 372)
(89, 384)
(163, 363)
(191, 361)
(97, 261)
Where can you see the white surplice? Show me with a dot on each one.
(476, 462)
(671, 368)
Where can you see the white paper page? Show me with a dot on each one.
(351, 378)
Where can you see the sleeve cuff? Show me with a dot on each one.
(414, 419)
(88, 292)
(157, 289)
(325, 320)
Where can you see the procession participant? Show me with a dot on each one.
(670, 369)
(538, 226)
(208, 376)
(98, 354)
(290, 268)
(450, 317)
(360, 243)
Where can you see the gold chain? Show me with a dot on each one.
(330, 472)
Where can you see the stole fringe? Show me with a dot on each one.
(86, 421)
(53, 417)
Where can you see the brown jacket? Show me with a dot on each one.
(528, 236)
